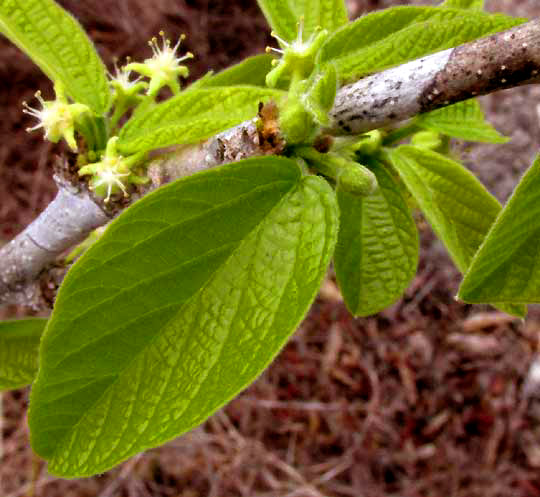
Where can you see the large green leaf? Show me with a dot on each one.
(19, 343)
(281, 17)
(464, 120)
(251, 71)
(377, 250)
(456, 204)
(55, 41)
(464, 4)
(393, 36)
(192, 116)
(506, 268)
(185, 299)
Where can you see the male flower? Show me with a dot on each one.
(164, 67)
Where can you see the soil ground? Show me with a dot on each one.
(430, 398)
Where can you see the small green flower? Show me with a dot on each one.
(298, 57)
(126, 90)
(164, 67)
(57, 117)
(113, 173)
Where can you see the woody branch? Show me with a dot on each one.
(500, 61)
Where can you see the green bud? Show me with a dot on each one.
(349, 176)
(357, 180)
(430, 140)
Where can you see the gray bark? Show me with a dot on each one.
(66, 221)
(500, 61)
(503, 60)
(28, 275)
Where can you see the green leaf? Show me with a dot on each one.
(192, 116)
(325, 14)
(320, 96)
(251, 71)
(456, 204)
(393, 36)
(19, 344)
(427, 139)
(284, 15)
(281, 17)
(506, 268)
(55, 41)
(464, 120)
(377, 250)
(464, 4)
(186, 298)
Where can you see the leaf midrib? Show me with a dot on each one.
(157, 335)
(291, 277)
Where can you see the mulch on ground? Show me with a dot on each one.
(429, 398)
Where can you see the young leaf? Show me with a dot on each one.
(55, 41)
(281, 17)
(377, 250)
(19, 343)
(251, 71)
(505, 268)
(284, 16)
(186, 298)
(464, 120)
(427, 139)
(464, 4)
(456, 204)
(192, 116)
(319, 98)
(386, 38)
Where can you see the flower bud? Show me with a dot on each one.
(357, 180)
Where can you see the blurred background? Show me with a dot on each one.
(429, 398)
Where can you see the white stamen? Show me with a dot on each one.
(121, 76)
(111, 178)
(301, 29)
(276, 50)
(273, 34)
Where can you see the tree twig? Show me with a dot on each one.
(27, 269)
(500, 61)
(504, 60)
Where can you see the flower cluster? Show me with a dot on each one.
(113, 173)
